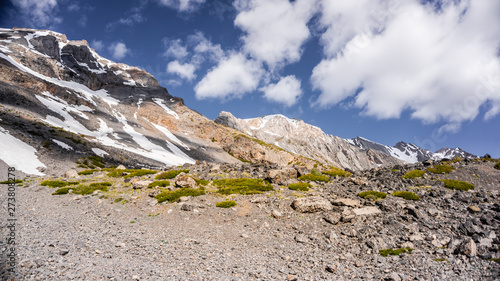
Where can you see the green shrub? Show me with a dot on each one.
(86, 172)
(51, 183)
(201, 182)
(173, 196)
(414, 174)
(62, 191)
(8, 181)
(497, 165)
(374, 195)
(312, 177)
(97, 161)
(119, 199)
(455, 184)
(129, 173)
(406, 195)
(226, 204)
(395, 252)
(170, 174)
(161, 183)
(242, 186)
(333, 172)
(440, 169)
(302, 186)
(89, 189)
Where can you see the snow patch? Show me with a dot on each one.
(99, 152)
(19, 155)
(161, 103)
(62, 144)
(171, 136)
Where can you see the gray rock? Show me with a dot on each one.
(71, 174)
(468, 248)
(184, 181)
(187, 207)
(280, 176)
(393, 277)
(346, 202)
(276, 214)
(366, 211)
(332, 218)
(311, 204)
(141, 184)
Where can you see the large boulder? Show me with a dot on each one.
(280, 176)
(311, 204)
(141, 184)
(184, 181)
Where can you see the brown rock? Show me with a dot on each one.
(280, 176)
(141, 184)
(185, 181)
(311, 204)
(346, 202)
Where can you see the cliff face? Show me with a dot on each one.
(303, 139)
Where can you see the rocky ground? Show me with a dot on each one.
(330, 233)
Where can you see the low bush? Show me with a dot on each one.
(414, 174)
(242, 186)
(13, 181)
(89, 189)
(86, 172)
(333, 172)
(173, 196)
(372, 195)
(456, 184)
(302, 186)
(129, 173)
(62, 191)
(497, 165)
(312, 177)
(170, 174)
(55, 183)
(406, 195)
(201, 182)
(440, 169)
(162, 183)
(226, 204)
(395, 252)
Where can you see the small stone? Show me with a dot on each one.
(121, 167)
(474, 209)
(187, 207)
(244, 235)
(330, 269)
(332, 218)
(301, 238)
(141, 184)
(258, 200)
(183, 199)
(276, 214)
(120, 245)
(135, 277)
(63, 252)
(468, 248)
(71, 174)
(393, 277)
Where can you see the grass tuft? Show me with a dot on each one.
(414, 174)
(373, 195)
(173, 196)
(226, 204)
(201, 182)
(170, 174)
(11, 181)
(86, 172)
(497, 165)
(302, 186)
(242, 186)
(89, 189)
(408, 195)
(333, 172)
(129, 173)
(162, 183)
(440, 169)
(62, 191)
(456, 184)
(395, 252)
(312, 177)
(51, 183)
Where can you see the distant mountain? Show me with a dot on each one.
(409, 152)
(300, 138)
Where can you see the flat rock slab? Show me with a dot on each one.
(367, 211)
(311, 204)
(346, 202)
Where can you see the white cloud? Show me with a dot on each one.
(185, 71)
(204, 46)
(118, 50)
(275, 29)
(233, 77)
(97, 45)
(287, 91)
(175, 49)
(39, 13)
(439, 65)
(182, 5)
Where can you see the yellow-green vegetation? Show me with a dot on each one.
(270, 146)
(372, 195)
(394, 170)
(456, 184)
(312, 177)
(91, 162)
(226, 204)
(497, 165)
(162, 183)
(333, 172)
(170, 174)
(440, 169)
(242, 186)
(129, 173)
(302, 186)
(201, 182)
(497, 260)
(441, 260)
(55, 183)
(414, 174)
(62, 191)
(395, 252)
(408, 195)
(89, 189)
(118, 200)
(86, 172)
(11, 181)
(173, 196)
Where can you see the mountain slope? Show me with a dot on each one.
(300, 138)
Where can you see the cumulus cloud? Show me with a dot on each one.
(287, 91)
(182, 5)
(438, 64)
(118, 50)
(234, 76)
(185, 71)
(97, 45)
(204, 46)
(174, 49)
(39, 13)
(275, 30)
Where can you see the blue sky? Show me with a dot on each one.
(426, 72)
